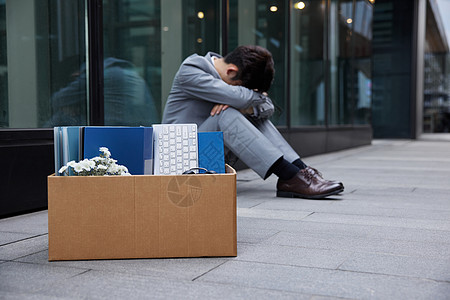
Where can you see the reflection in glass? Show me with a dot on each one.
(436, 104)
(307, 64)
(42, 48)
(253, 22)
(201, 26)
(151, 38)
(340, 62)
(436, 98)
(126, 97)
(4, 122)
(132, 66)
(350, 67)
(362, 67)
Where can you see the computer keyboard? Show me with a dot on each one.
(176, 148)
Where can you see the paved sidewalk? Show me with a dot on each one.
(386, 237)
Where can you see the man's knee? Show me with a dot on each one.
(222, 121)
(231, 116)
(230, 112)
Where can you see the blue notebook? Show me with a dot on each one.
(132, 147)
(211, 151)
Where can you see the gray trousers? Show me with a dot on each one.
(257, 142)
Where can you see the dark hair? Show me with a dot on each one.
(255, 66)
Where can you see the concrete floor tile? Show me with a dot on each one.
(101, 285)
(412, 206)
(325, 282)
(295, 256)
(329, 298)
(183, 268)
(272, 214)
(414, 197)
(254, 236)
(24, 247)
(34, 223)
(347, 230)
(434, 269)
(329, 241)
(379, 221)
(23, 277)
(247, 202)
(10, 237)
(356, 208)
(26, 296)
(296, 204)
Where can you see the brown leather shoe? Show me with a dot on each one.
(319, 176)
(306, 184)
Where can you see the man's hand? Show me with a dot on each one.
(218, 108)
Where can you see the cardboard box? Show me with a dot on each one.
(142, 216)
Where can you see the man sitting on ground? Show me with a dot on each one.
(229, 94)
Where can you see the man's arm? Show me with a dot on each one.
(218, 108)
(198, 84)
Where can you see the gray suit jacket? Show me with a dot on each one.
(197, 87)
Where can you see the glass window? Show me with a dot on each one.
(340, 53)
(144, 45)
(201, 26)
(350, 36)
(42, 73)
(132, 62)
(362, 62)
(436, 98)
(307, 84)
(4, 118)
(263, 23)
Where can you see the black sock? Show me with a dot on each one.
(284, 169)
(299, 163)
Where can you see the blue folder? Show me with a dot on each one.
(211, 151)
(130, 146)
(67, 145)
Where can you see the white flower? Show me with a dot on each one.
(99, 165)
(87, 165)
(63, 168)
(102, 167)
(113, 169)
(122, 168)
(77, 167)
(105, 152)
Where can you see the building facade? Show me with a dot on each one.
(111, 62)
(410, 90)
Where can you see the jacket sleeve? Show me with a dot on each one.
(264, 110)
(198, 83)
